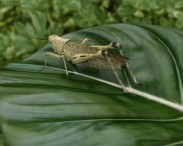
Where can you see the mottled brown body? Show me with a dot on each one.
(71, 49)
(92, 56)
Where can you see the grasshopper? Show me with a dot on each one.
(93, 56)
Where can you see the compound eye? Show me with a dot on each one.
(116, 45)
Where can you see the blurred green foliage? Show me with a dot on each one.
(18, 17)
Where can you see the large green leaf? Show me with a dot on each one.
(43, 108)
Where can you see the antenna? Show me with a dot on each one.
(30, 36)
(51, 32)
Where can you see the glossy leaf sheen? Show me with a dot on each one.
(42, 108)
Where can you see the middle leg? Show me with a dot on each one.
(106, 47)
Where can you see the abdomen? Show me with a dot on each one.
(73, 48)
(103, 63)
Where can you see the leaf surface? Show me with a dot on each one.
(89, 108)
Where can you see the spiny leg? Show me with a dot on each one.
(133, 75)
(85, 41)
(116, 74)
(131, 72)
(56, 56)
(105, 53)
(80, 58)
(106, 47)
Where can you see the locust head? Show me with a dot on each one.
(57, 43)
(52, 38)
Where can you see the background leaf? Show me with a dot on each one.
(19, 17)
(42, 108)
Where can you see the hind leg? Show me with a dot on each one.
(106, 47)
(81, 58)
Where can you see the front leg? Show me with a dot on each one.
(56, 56)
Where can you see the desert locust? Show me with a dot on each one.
(93, 56)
